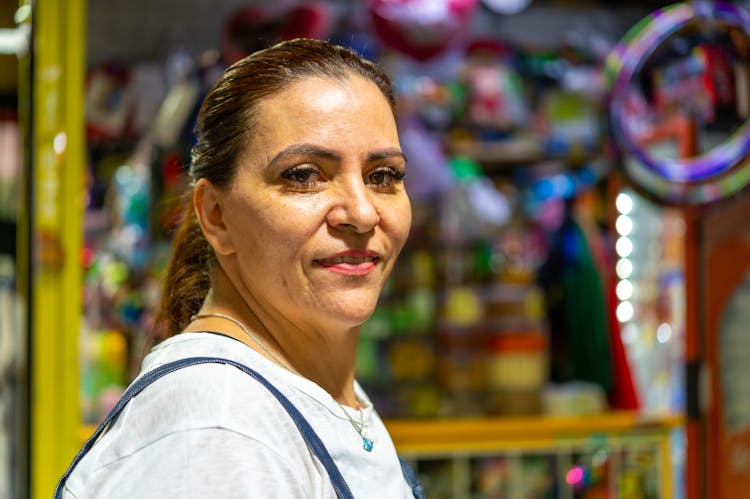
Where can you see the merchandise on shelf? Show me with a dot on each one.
(517, 372)
(496, 102)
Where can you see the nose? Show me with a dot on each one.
(354, 207)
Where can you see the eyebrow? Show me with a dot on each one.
(386, 154)
(328, 154)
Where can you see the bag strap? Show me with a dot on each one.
(307, 432)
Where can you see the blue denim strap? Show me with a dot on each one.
(312, 439)
(410, 476)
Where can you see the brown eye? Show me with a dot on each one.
(302, 176)
(386, 176)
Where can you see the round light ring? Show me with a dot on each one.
(660, 189)
(629, 56)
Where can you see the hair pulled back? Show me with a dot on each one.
(226, 123)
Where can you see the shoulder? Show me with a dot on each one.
(199, 463)
(190, 399)
(210, 395)
(204, 421)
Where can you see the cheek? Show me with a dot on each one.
(263, 214)
(276, 231)
(268, 256)
(399, 222)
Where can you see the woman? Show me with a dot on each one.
(299, 212)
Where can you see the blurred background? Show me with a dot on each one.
(567, 318)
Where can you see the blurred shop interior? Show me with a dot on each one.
(567, 318)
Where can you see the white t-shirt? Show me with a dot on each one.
(213, 431)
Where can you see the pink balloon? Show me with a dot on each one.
(421, 29)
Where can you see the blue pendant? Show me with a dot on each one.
(367, 444)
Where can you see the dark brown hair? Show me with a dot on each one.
(225, 125)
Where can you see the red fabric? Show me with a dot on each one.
(623, 394)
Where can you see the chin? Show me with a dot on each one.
(355, 314)
(355, 319)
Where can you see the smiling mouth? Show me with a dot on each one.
(349, 260)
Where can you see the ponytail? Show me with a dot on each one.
(187, 280)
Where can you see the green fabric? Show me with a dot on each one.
(585, 315)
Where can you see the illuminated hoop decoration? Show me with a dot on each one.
(719, 173)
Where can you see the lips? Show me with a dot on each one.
(350, 262)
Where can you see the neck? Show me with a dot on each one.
(326, 358)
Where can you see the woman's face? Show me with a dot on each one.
(318, 212)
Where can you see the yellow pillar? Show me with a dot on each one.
(57, 174)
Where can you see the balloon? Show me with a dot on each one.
(421, 29)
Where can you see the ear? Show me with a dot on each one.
(210, 213)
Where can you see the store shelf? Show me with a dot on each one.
(620, 454)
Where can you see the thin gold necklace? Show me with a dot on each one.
(367, 443)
